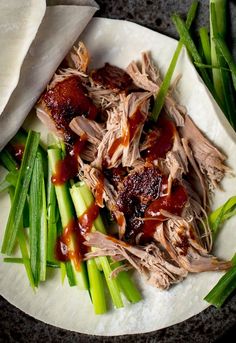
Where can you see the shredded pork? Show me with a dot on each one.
(158, 199)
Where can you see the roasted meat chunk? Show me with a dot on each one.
(112, 77)
(135, 193)
(66, 100)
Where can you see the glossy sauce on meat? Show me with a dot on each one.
(161, 140)
(99, 189)
(112, 77)
(133, 123)
(137, 191)
(173, 203)
(115, 145)
(67, 100)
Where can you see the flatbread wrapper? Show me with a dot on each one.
(19, 23)
(34, 40)
(120, 42)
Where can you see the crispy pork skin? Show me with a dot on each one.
(136, 191)
(65, 101)
(112, 77)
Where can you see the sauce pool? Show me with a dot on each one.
(173, 203)
(161, 140)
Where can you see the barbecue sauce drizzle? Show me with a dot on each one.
(70, 244)
(76, 230)
(99, 189)
(67, 168)
(173, 203)
(161, 140)
(74, 233)
(133, 123)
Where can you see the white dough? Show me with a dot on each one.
(19, 23)
(59, 29)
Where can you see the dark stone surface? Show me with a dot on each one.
(209, 326)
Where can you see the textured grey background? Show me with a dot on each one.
(209, 326)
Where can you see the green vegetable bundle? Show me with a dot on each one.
(40, 214)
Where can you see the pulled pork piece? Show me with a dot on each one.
(91, 129)
(203, 190)
(178, 237)
(148, 78)
(124, 126)
(78, 58)
(103, 98)
(89, 154)
(176, 159)
(159, 140)
(94, 178)
(195, 214)
(112, 134)
(61, 103)
(103, 190)
(135, 109)
(207, 156)
(66, 96)
(148, 260)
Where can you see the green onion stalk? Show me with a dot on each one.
(161, 95)
(29, 178)
(224, 50)
(206, 46)
(20, 260)
(83, 199)
(221, 78)
(97, 293)
(191, 47)
(217, 25)
(21, 191)
(53, 218)
(22, 241)
(221, 214)
(38, 222)
(227, 284)
(67, 215)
